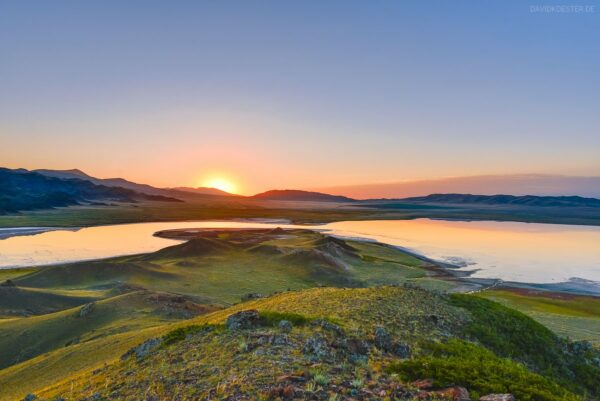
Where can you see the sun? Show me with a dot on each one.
(222, 184)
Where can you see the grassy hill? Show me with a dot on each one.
(22, 190)
(362, 343)
(221, 267)
(353, 335)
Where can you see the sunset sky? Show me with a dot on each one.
(304, 94)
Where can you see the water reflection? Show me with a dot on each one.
(523, 252)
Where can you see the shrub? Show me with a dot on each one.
(464, 364)
(512, 334)
(181, 333)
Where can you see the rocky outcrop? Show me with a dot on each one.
(285, 326)
(144, 349)
(384, 342)
(317, 348)
(243, 320)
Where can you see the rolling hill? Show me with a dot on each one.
(170, 325)
(22, 190)
(297, 195)
(527, 200)
(202, 191)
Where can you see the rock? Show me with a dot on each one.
(497, 397)
(327, 325)
(401, 350)
(86, 309)
(144, 349)
(357, 346)
(581, 347)
(383, 341)
(252, 295)
(316, 347)
(423, 384)
(452, 393)
(30, 397)
(285, 326)
(279, 339)
(8, 283)
(243, 320)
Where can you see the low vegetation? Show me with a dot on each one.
(268, 314)
(481, 371)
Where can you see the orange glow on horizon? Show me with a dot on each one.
(220, 183)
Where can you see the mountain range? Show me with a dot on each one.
(22, 190)
(25, 190)
(513, 184)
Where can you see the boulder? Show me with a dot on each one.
(401, 350)
(327, 325)
(144, 349)
(383, 341)
(497, 397)
(247, 319)
(285, 326)
(317, 347)
(30, 397)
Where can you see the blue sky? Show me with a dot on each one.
(299, 93)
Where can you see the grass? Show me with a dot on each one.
(216, 356)
(271, 318)
(298, 212)
(26, 338)
(460, 363)
(512, 334)
(224, 269)
(572, 316)
(220, 270)
(199, 362)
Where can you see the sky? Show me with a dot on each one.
(299, 94)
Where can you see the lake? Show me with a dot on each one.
(522, 252)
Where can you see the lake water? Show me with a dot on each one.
(522, 252)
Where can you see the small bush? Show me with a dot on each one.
(181, 333)
(321, 379)
(479, 370)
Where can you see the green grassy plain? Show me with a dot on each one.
(573, 316)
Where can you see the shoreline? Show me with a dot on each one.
(442, 270)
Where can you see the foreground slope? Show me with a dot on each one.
(370, 343)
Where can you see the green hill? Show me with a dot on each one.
(368, 343)
(368, 322)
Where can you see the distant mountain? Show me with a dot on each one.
(512, 184)
(527, 200)
(296, 195)
(22, 190)
(203, 191)
(109, 182)
(123, 183)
